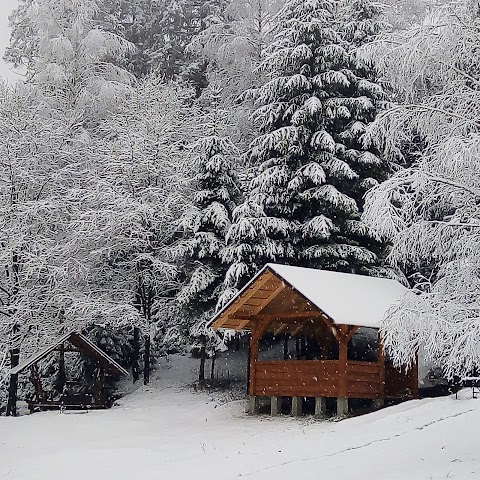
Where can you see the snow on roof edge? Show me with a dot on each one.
(49, 348)
(278, 270)
(239, 294)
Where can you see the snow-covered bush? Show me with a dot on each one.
(430, 211)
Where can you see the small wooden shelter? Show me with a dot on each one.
(328, 308)
(72, 342)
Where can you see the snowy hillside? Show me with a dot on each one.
(169, 431)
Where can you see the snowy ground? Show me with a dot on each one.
(168, 431)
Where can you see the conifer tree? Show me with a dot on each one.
(206, 224)
(313, 166)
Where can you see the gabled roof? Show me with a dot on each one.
(83, 344)
(344, 298)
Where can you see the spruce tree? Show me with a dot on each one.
(313, 167)
(205, 224)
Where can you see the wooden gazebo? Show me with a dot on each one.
(329, 308)
(72, 342)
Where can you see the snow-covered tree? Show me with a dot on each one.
(143, 193)
(234, 47)
(161, 30)
(205, 224)
(430, 211)
(313, 167)
(49, 161)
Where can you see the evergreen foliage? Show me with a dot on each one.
(313, 165)
(161, 31)
(206, 224)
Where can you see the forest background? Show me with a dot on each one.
(157, 153)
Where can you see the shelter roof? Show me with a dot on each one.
(83, 344)
(292, 292)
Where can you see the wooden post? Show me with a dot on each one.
(320, 407)
(253, 404)
(248, 363)
(342, 366)
(285, 348)
(297, 406)
(254, 347)
(342, 406)
(13, 386)
(40, 394)
(275, 404)
(342, 395)
(253, 357)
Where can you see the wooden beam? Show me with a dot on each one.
(292, 316)
(280, 329)
(243, 299)
(38, 383)
(243, 324)
(270, 298)
(297, 331)
(331, 326)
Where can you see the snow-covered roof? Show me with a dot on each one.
(79, 341)
(347, 299)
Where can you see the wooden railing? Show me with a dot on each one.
(316, 378)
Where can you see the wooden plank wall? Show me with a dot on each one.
(296, 378)
(364, 379)
(315, 378)
(401, 383)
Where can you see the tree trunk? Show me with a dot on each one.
(146, 360)
(212, 369)
(13, 386)
(136, 354)
(201, 372)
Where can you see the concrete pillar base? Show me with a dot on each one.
(320, 407)
(275, 405)
(297, 406)
(342, 406)
(253, 404)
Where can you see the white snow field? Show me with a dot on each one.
(168, 431)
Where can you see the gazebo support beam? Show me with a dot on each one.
(253, 404)
(320, 407)
(275, 404)
(342, 406)
(297, 406)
